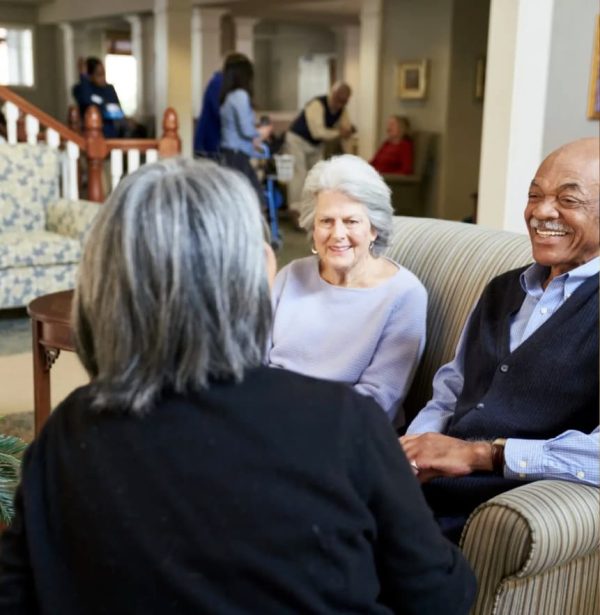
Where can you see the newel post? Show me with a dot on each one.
(96, 151)
(74, 119)
(170, 143)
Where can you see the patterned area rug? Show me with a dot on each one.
(15, 332)
(19, 424)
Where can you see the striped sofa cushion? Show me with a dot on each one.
(454, 261)
(535, 549)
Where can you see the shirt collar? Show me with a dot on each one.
(533, 277)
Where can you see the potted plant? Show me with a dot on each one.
(11, 449)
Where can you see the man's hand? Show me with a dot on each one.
(345, 132)
(434, 454)
(264, 131)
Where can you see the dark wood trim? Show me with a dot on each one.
(46, 120)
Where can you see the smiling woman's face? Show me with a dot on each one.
(342, 232)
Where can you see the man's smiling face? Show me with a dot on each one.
(562, 208)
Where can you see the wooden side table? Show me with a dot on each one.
(52, 332)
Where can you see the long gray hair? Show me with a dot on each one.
(172, 287)
(357, 179)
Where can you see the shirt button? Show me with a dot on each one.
(544, 310)
(480, 406)
(522, 463)
(580, 474)
(504, 368)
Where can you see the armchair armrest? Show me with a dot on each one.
(397, 178)
(71, 218)
(527, 531)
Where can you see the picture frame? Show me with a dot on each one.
(479, 78)
(593, 108)
(411, 80)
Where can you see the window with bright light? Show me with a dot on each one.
(16, 56)
(121, 72)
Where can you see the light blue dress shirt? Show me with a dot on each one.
(572, 455)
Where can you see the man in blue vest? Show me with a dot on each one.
(519, 402)
(323, 118)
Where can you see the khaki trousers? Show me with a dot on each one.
(305, 156)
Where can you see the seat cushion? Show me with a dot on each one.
(39, 248)
(20, 285)
(28, 183)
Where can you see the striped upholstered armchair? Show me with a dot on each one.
(534, 549)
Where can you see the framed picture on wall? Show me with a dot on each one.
(411, 80)
(593, 110)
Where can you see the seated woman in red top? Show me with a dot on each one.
(396, 153)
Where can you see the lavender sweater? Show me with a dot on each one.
(370, 338)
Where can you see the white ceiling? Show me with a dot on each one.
(330, 11)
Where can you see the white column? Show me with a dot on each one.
(351, 49)
(367, 92)
(172, 43)
(244, 35)
(206, 50)
(137, 49)
(71, 75)
(518, 58)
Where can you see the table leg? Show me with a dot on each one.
(41, 379)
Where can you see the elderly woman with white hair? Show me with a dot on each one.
(188, 477)
(348, 313)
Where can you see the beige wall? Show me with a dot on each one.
(415, 31)
(570, 57)
(79, 10)
(462, 143)
(48, 74)
(278, 47)
(451, 35)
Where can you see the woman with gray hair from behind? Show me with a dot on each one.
(349, 314)
(188, 477)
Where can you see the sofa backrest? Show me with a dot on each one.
(454, 261)
(29, 182)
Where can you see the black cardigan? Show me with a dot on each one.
(282, 494)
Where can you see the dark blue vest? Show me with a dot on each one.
(300, 127)
(547, 385)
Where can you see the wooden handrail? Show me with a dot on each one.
(46, 120)
(97, 148)
(92, 143)
(141, 144)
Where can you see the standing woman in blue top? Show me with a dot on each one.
(241, 139)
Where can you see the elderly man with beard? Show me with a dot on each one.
(519, 402)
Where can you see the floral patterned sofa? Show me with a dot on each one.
(40, 233)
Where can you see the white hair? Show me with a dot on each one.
(357, 179)
(172, 287)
